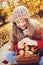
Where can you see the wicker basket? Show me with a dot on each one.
(28, 60)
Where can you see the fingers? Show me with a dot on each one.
(20, 45)
(35, 43)
(28, 42)
(31, 43)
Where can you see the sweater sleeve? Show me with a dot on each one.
(40, 44)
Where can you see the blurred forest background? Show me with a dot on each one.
(35, 8)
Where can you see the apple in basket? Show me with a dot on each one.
(21, 52)
(27, 51)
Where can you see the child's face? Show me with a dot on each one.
(21, 23)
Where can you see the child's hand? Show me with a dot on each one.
(27, 41)
(20, 45)
(30, 42)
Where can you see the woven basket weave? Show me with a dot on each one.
(28, 60)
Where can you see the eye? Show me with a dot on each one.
(17, 22)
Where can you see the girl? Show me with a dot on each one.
(24, 30)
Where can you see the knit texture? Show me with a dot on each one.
(19, 12)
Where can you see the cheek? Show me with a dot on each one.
(18, 25)
(25, 23)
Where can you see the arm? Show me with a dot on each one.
(40, 44)
(30, 42)
(27, 41)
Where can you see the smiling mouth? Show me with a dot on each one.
(22, 26)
